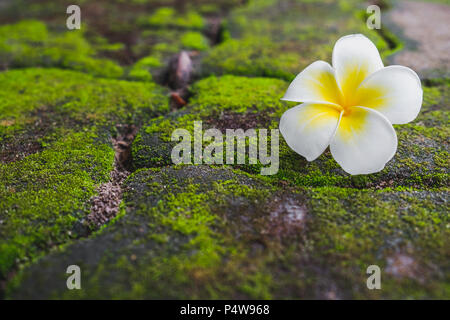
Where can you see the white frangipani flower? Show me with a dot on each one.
(351, 107)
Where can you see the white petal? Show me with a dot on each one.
(355, 57)
(308, 128)
(395, 91)
(364, 142)
(317, 83)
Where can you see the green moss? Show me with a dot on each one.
(178, 237)
(252, 56)
(247, 100)
(71, 116)
(74, 98)
(141, 69)
(353, 229)
(157, 46)
(29, 43)
(442, 159)
(45, 194)
(168, 17)
(162, 43)
(265, 38)
(199, 232)
(194, 40)
(237, 94)
(212, 7)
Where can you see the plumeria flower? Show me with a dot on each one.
(351, 107)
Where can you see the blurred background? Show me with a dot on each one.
(135, 39)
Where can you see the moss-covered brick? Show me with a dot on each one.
(168, 17)
(194, 40)
(35, 103)
(55, 131)
(157, 48)
(142, 69)
(29, 43)
(404, 232)
(225, 102)
(175, 232)
(128, 33)
(44, 195)
(280, 38)
(232, 102)
(200, 232)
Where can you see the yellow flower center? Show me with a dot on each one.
(347, 106)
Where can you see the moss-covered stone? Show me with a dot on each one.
(194, 40)
(279, 39)
(226, 102)
(138, 31)
(175, 235)
(357, 228)
(232, 102)
(47, 99)
(157, 48)
(141, 70)
(168, 17)
(199, 232)
(29, 44)
(45, 194)
(123, 22)
(65, 120)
